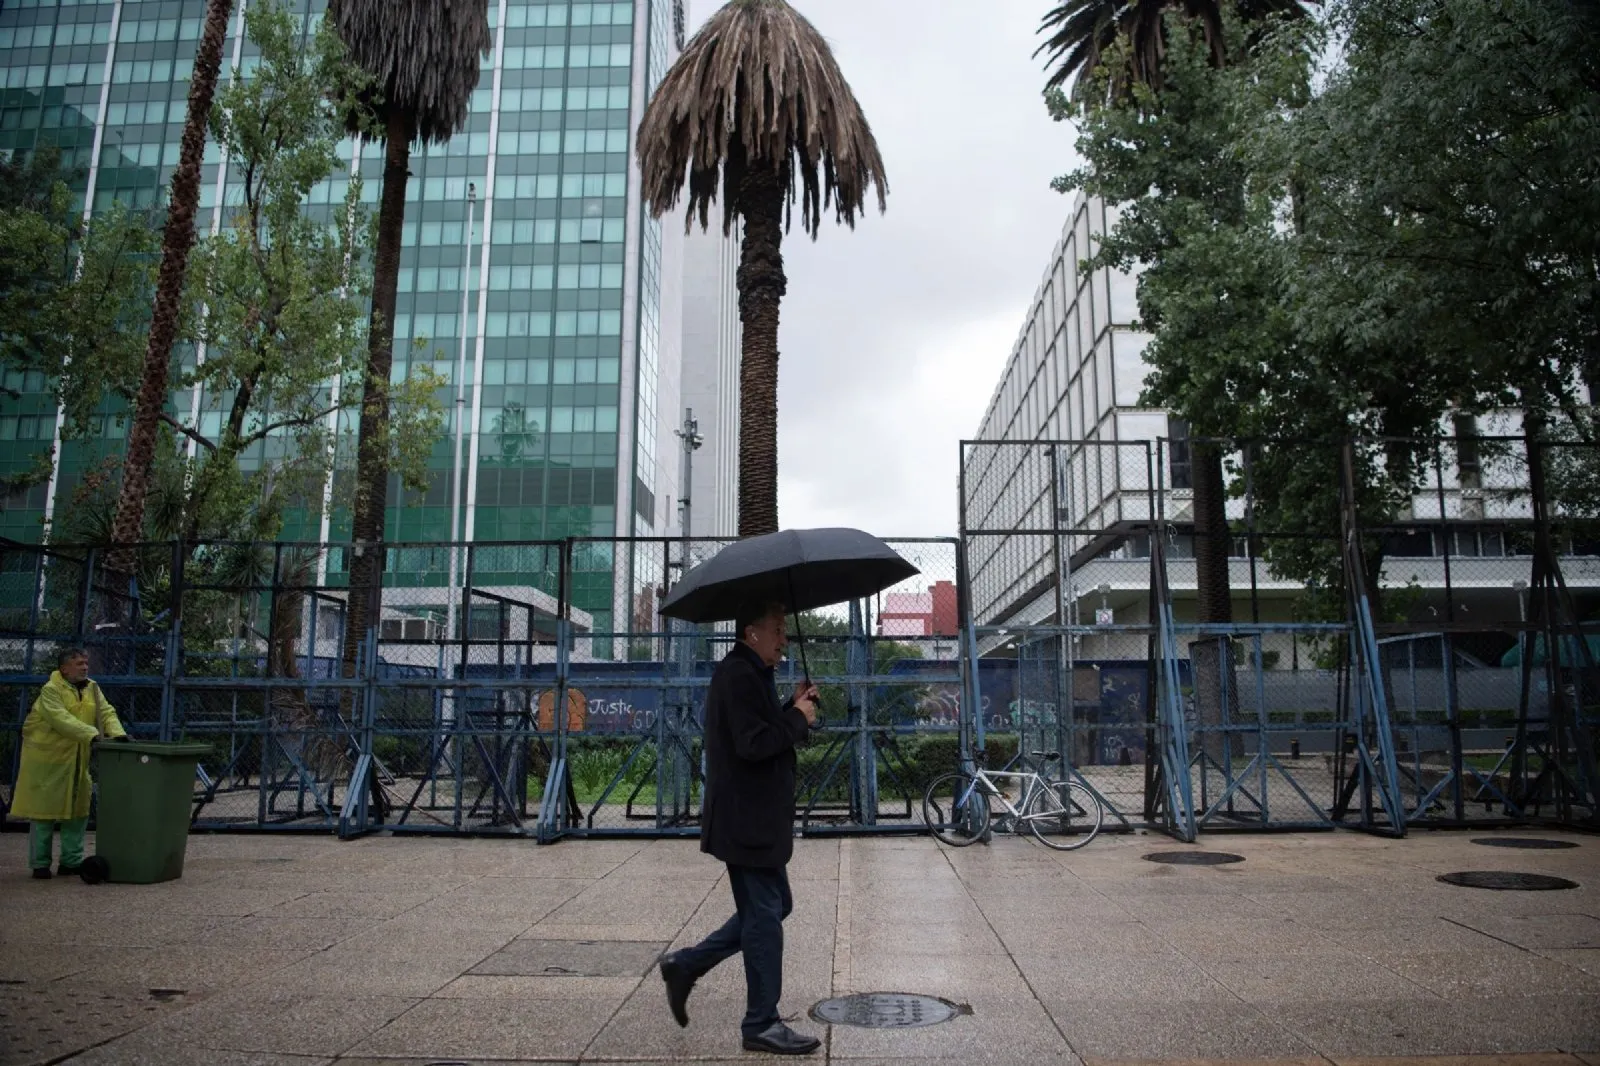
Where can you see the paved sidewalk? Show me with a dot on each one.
(274, 951)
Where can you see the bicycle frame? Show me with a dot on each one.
(1031, 783)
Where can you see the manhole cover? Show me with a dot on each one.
(1506, 881)
(1193, 858)
(886, 1010)
(1531, 843)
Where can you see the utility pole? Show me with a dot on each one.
(690, 435)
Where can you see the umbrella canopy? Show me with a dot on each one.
(801, 568)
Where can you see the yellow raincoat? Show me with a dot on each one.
(53, 781)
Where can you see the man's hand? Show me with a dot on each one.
(805, 701)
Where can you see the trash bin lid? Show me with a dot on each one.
(190, 750)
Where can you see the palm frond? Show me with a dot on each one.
(424, 55)
(758, 88)
(1079, 32)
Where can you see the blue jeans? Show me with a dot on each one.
(762, 900)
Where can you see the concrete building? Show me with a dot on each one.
(1076, 375)
(920, 614)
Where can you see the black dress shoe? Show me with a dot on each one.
(68, 871)
(779, 1039)
(680, 982)
(41, 873)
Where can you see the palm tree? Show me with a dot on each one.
(423, 58)
(1081, 31)
(755, 108)
(177, 240)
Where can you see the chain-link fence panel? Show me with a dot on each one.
(890, 670)
(1269, 753)
(629, 745)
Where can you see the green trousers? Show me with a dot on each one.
(41, 838)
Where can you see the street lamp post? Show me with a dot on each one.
(461, 419)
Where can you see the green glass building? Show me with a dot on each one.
(563, 300)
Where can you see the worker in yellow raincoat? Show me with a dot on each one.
(53, 781)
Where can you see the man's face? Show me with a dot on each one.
(768, 637)
(76, 670)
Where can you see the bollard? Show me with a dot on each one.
(1349, 743)
(1294, 747)
(1127, 757)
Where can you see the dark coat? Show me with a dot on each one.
(750, 739)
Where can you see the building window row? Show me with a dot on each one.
(535, 16)
(558, 56)
(515, 324)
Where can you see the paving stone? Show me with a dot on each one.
(590, 989)
(137, 1052)
(574, 958)
(454, 1061)
(339, 965)
(1277, 978)
(45, 1022)
(1462, 1060)
(1104, 1060)
(283, 1021)
(491, 1029)
(1585, 959)
(1508, 973)
(1418, 1026)
(1218, 1028)
(1539, 932)
(1082, 976)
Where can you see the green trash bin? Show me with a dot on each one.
(142, 818)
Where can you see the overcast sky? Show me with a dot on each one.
(894, 335)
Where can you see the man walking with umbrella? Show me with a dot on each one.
(748, 823)
(748, 818)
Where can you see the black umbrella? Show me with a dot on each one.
(801, 568)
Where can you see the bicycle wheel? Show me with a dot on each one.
(1064, 815)
(955, 811)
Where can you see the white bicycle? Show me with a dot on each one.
(1064, 815)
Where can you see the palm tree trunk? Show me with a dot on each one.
(177, 240)
(761, 288)
(372, 442)
(1211, 536)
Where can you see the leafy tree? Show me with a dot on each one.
(827, 652)
(757, 110)
(1452, 211)
(71, 292)
(1201, 230)
(1414, 240)
(1117, 50)
(281, 293)
(278, 297)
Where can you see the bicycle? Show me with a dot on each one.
(1063, 815)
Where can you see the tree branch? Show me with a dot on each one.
(187, 432)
